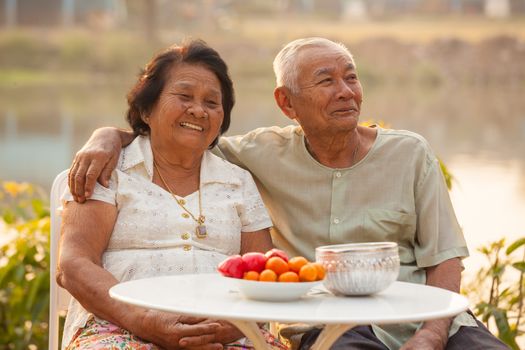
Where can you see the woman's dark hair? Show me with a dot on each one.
(147, 90)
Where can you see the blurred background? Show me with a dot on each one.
(451, 70)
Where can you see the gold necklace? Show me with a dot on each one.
(200, 230)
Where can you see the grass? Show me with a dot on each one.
(19, 78)
(422, 30)
(81, 57)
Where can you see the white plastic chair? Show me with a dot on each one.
(59, 297)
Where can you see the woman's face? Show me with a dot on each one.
(188, 114)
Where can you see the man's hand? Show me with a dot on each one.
(95, 161)
(434, 334)
(424, 339)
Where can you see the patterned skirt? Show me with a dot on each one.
(99, 334)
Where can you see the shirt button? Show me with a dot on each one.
(185, 235)
(336, 220)
(181, 201)
(337, 174)
(185, 215)
(186, 247)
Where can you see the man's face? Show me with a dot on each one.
(330, 94)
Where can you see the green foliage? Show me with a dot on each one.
(24, 267)
(446, 174)
(502, 300)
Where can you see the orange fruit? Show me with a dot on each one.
(296, 263)
(320, 270)
(278, 265)
(268, 276)
(289, 276)
(308, 273)
(251, 275)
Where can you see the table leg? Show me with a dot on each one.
(329, 335)
(251, 331)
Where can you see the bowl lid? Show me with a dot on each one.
(352, 247)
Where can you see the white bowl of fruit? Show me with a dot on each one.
(272, 276)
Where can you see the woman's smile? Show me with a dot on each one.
(191, 126)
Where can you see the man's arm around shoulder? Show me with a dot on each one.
(96, 160)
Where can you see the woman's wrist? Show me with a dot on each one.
(137, 321)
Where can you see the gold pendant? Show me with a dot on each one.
(201, 232)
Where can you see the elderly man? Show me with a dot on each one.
(331, 181)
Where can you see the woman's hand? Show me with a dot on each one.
(95, 161)
(225, 333)
(171, 331)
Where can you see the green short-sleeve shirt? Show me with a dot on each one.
(396, 193)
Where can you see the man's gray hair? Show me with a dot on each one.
(285, 63)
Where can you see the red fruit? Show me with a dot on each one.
(254, 261)
(277, 252)
(232, 266)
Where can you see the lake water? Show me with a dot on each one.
(478, 132)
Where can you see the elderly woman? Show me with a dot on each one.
(172, 207)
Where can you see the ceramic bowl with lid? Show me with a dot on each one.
(359, 268)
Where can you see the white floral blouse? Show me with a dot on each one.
(153, 236)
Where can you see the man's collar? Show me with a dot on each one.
(217, 170)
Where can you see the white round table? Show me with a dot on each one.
(214, 296)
